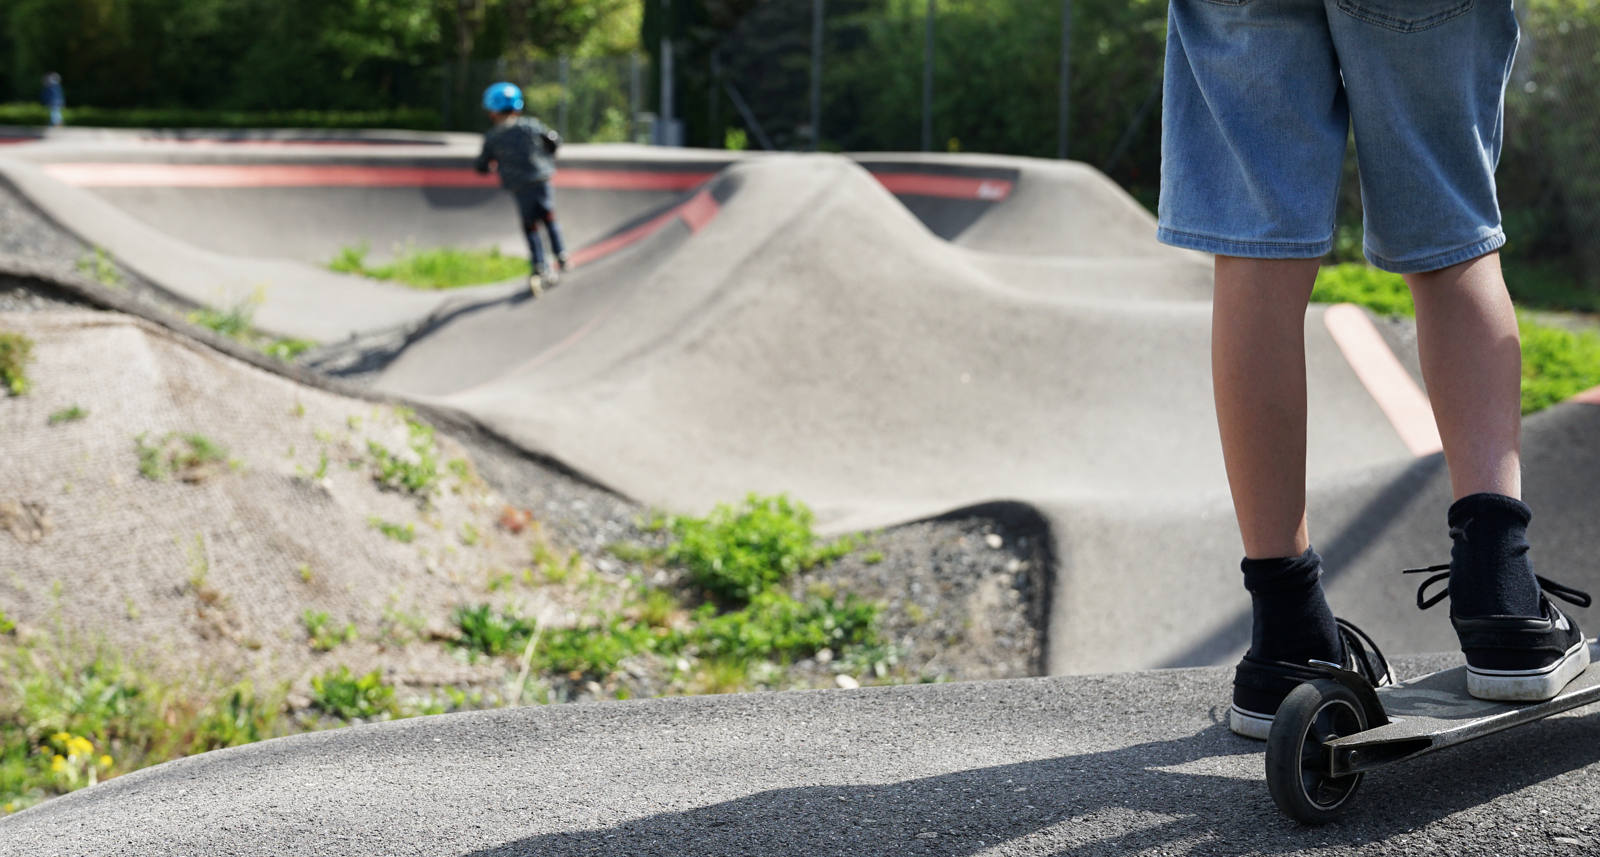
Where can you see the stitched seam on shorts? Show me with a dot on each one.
(1402, 25)
(1238, 242)
(1442, 259)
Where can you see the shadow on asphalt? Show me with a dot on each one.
(1109, 803)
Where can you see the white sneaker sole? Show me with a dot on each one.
(1250, 724)
(1529, 685)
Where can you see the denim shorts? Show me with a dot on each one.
(1260, 96)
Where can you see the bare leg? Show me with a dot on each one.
(1472, 363)
(1258, 370)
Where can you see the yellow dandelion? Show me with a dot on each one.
(61, 737)
(105, 761)
(58, 763)
(80, 747)
(9, 808)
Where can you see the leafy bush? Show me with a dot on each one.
(16, 352)
(737, 553)
(1364, 285)
(777, 625)
(596, 652)
(348, 697)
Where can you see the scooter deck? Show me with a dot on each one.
(1435, 711)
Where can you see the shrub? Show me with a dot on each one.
(348, 697)
(488, 632)
(1364, 285)
(777, 625)
(736, 553)
(1556, 364)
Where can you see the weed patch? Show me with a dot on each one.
(68, 415)
(412, 470)
(1556, 364)
(97, 266)
(402, 533)
(322, 635)
(350, 697)
(16, 352)
(489, 632)
(442, 268)
(736, 553)
(189, 457)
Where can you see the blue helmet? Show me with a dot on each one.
(501, 97)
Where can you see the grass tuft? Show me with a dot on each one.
(440, 268)
(16, 352)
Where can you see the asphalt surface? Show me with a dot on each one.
(886, 358)
(1090, 765)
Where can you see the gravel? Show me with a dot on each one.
(964, 597)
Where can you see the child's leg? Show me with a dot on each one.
(532, 213)
(548, 205)
(1259, 378)
(1472, 363)
(1258, 371)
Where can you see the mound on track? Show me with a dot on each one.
(116, 533)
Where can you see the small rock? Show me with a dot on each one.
(993, 540)
(927, 834)
(825, 656)
(846, 682)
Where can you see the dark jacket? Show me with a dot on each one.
(517, 147)
(50, 95)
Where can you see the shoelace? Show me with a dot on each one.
(1565, 593)
(1357, 641)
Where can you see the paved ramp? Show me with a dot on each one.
(889, 338)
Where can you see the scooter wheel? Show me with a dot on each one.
(1297, 755)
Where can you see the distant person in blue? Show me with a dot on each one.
(524, 152)
(51, 96)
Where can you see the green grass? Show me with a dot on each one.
(176, 454)
(487, 631)
(414, 470)
(97, 265)
(402, 533)
(234, 323)
(1556, 363)
(440, 268)
(68, 415)
(71, 717)
(16, 352)
(322, 635)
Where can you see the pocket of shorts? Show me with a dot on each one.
(1405, 16)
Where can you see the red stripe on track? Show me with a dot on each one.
(950, 187)
(1590, 397)
(1397, 395)
(696, 213)
(327, 175)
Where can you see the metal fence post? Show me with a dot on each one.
(816, 74)
(1066, 79)
(927, 83)
(561, 111)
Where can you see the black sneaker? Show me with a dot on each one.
(1517, 658)
(1260, 684)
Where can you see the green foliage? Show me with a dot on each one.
(596, 652)
(413, 470)
(234, 323)
(16, 352)
(28, 114)
(402, 533)
(777, 625)
(185, 455)
(68, 415)
(735, 553)
(287, 349)
(322, 636)
(99, 267)
(1556, 364)
(489, 632)
(6, 625)
(340, 694)
(1364, 285)
(71, 717)
(442, 268)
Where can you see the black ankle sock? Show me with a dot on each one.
(1490, 573)
(1292, 619)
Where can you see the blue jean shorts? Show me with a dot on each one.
(1259, 101)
